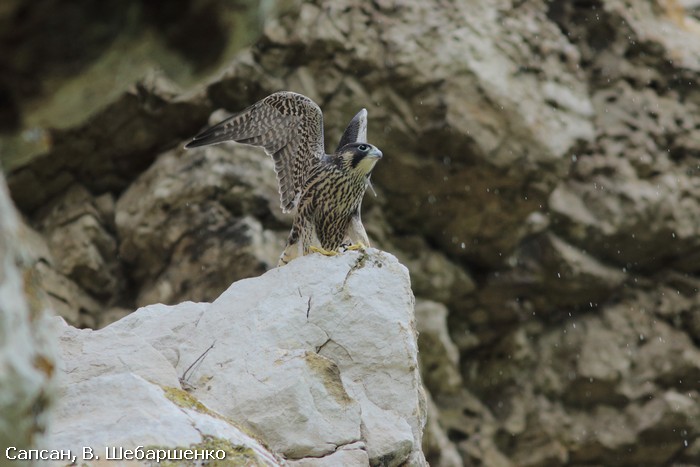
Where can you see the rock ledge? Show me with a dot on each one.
(314, 364)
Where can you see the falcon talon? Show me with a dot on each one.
(324, 252)
(324, 191)
(356, 246)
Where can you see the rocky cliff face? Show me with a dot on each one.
(540, 181)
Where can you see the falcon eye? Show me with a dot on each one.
(363, 147)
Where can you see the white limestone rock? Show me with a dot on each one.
(351, 454)
(318, 359)
(27, 350)
(119, 391)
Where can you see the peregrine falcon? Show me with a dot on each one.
(324, 191)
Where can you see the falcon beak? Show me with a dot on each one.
(375, 153)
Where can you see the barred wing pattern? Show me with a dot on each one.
(289, 126)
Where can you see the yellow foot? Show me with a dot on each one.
(356, 246)
(323, 251)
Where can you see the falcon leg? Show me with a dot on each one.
(356, 237)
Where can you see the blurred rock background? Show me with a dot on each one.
(541, 182)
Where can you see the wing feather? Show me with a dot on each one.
(356, 131)
(289, 126)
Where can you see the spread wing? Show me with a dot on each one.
(356, 132)
(288, 126)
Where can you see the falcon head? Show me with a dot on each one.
(358, 157)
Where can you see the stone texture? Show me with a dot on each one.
(439, 450)
(129, 395)
(106, 151)
(84, 250)
(439, 356)
(351, 454)
(195, 221)
(318, 359)
(27, 348)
